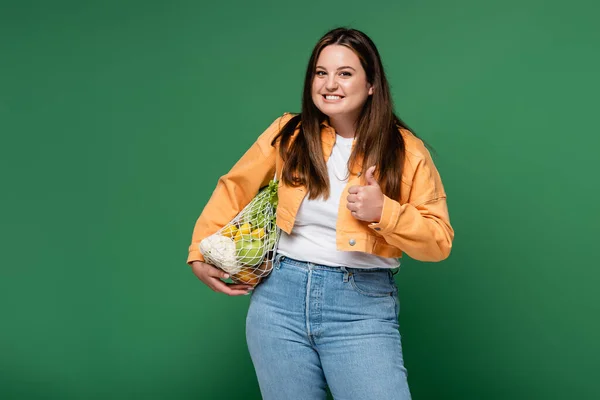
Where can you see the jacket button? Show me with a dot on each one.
(352, 242)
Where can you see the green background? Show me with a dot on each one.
(118, 117)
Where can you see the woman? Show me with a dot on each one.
(357, 190)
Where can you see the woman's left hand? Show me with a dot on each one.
(366, 202)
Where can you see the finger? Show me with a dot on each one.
(352, 198)
(352, 206)
(354, 189)
(204, 269)
(370, 176)
(216, 272)
(222, 287)
(241, 286)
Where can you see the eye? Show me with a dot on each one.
(320, 73)
(345, 73)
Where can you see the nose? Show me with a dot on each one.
(331, 84)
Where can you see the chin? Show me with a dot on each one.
(340, 114)
(330, 110)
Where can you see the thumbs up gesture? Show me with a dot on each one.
(366, 202)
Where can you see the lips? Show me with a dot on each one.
(332, 97)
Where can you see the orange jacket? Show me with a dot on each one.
(417, 223)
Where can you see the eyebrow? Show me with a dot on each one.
(344, 67)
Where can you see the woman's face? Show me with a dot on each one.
(340, 87)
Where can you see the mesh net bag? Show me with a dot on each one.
(245, 247)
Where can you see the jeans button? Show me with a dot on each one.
(352, 242)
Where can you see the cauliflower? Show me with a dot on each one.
(221, 252)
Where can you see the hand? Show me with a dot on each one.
(211, 276)
(366, 202)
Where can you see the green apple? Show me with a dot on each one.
(250, 252)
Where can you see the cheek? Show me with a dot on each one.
(357, 89)
(315, 91)
(314, 88)
(350, 88)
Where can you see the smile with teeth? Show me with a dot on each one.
(332, 97)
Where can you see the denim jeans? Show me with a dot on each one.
(310, 326)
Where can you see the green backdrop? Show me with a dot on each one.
(118, 117)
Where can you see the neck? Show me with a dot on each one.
(345, 127)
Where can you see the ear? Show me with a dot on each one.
(370, 90)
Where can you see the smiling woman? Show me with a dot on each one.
(357, 190)
(345, 87)
(340, 87)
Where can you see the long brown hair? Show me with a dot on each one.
(378, 141)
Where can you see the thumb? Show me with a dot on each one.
(371, 177)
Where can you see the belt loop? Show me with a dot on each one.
(346, 274)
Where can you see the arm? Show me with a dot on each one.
(237, 188)
(421, 226)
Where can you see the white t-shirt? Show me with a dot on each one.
(313, 237)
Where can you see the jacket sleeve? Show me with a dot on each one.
(237, 188)
(421, 226)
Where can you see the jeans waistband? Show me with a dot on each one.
(341, 269)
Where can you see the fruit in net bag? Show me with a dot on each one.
(250, 252)
(245, 247)
(221, 251)
(246, 276)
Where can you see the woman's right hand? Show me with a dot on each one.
(211, 276)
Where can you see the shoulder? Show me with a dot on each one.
(414, 147)
(269, 134)
(419, 170)
(418, 160)
(279, 123)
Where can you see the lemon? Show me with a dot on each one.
(245, 229)
(239, 236)
(230, 231)
(258, 233)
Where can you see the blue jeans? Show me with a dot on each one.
(310, 326)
